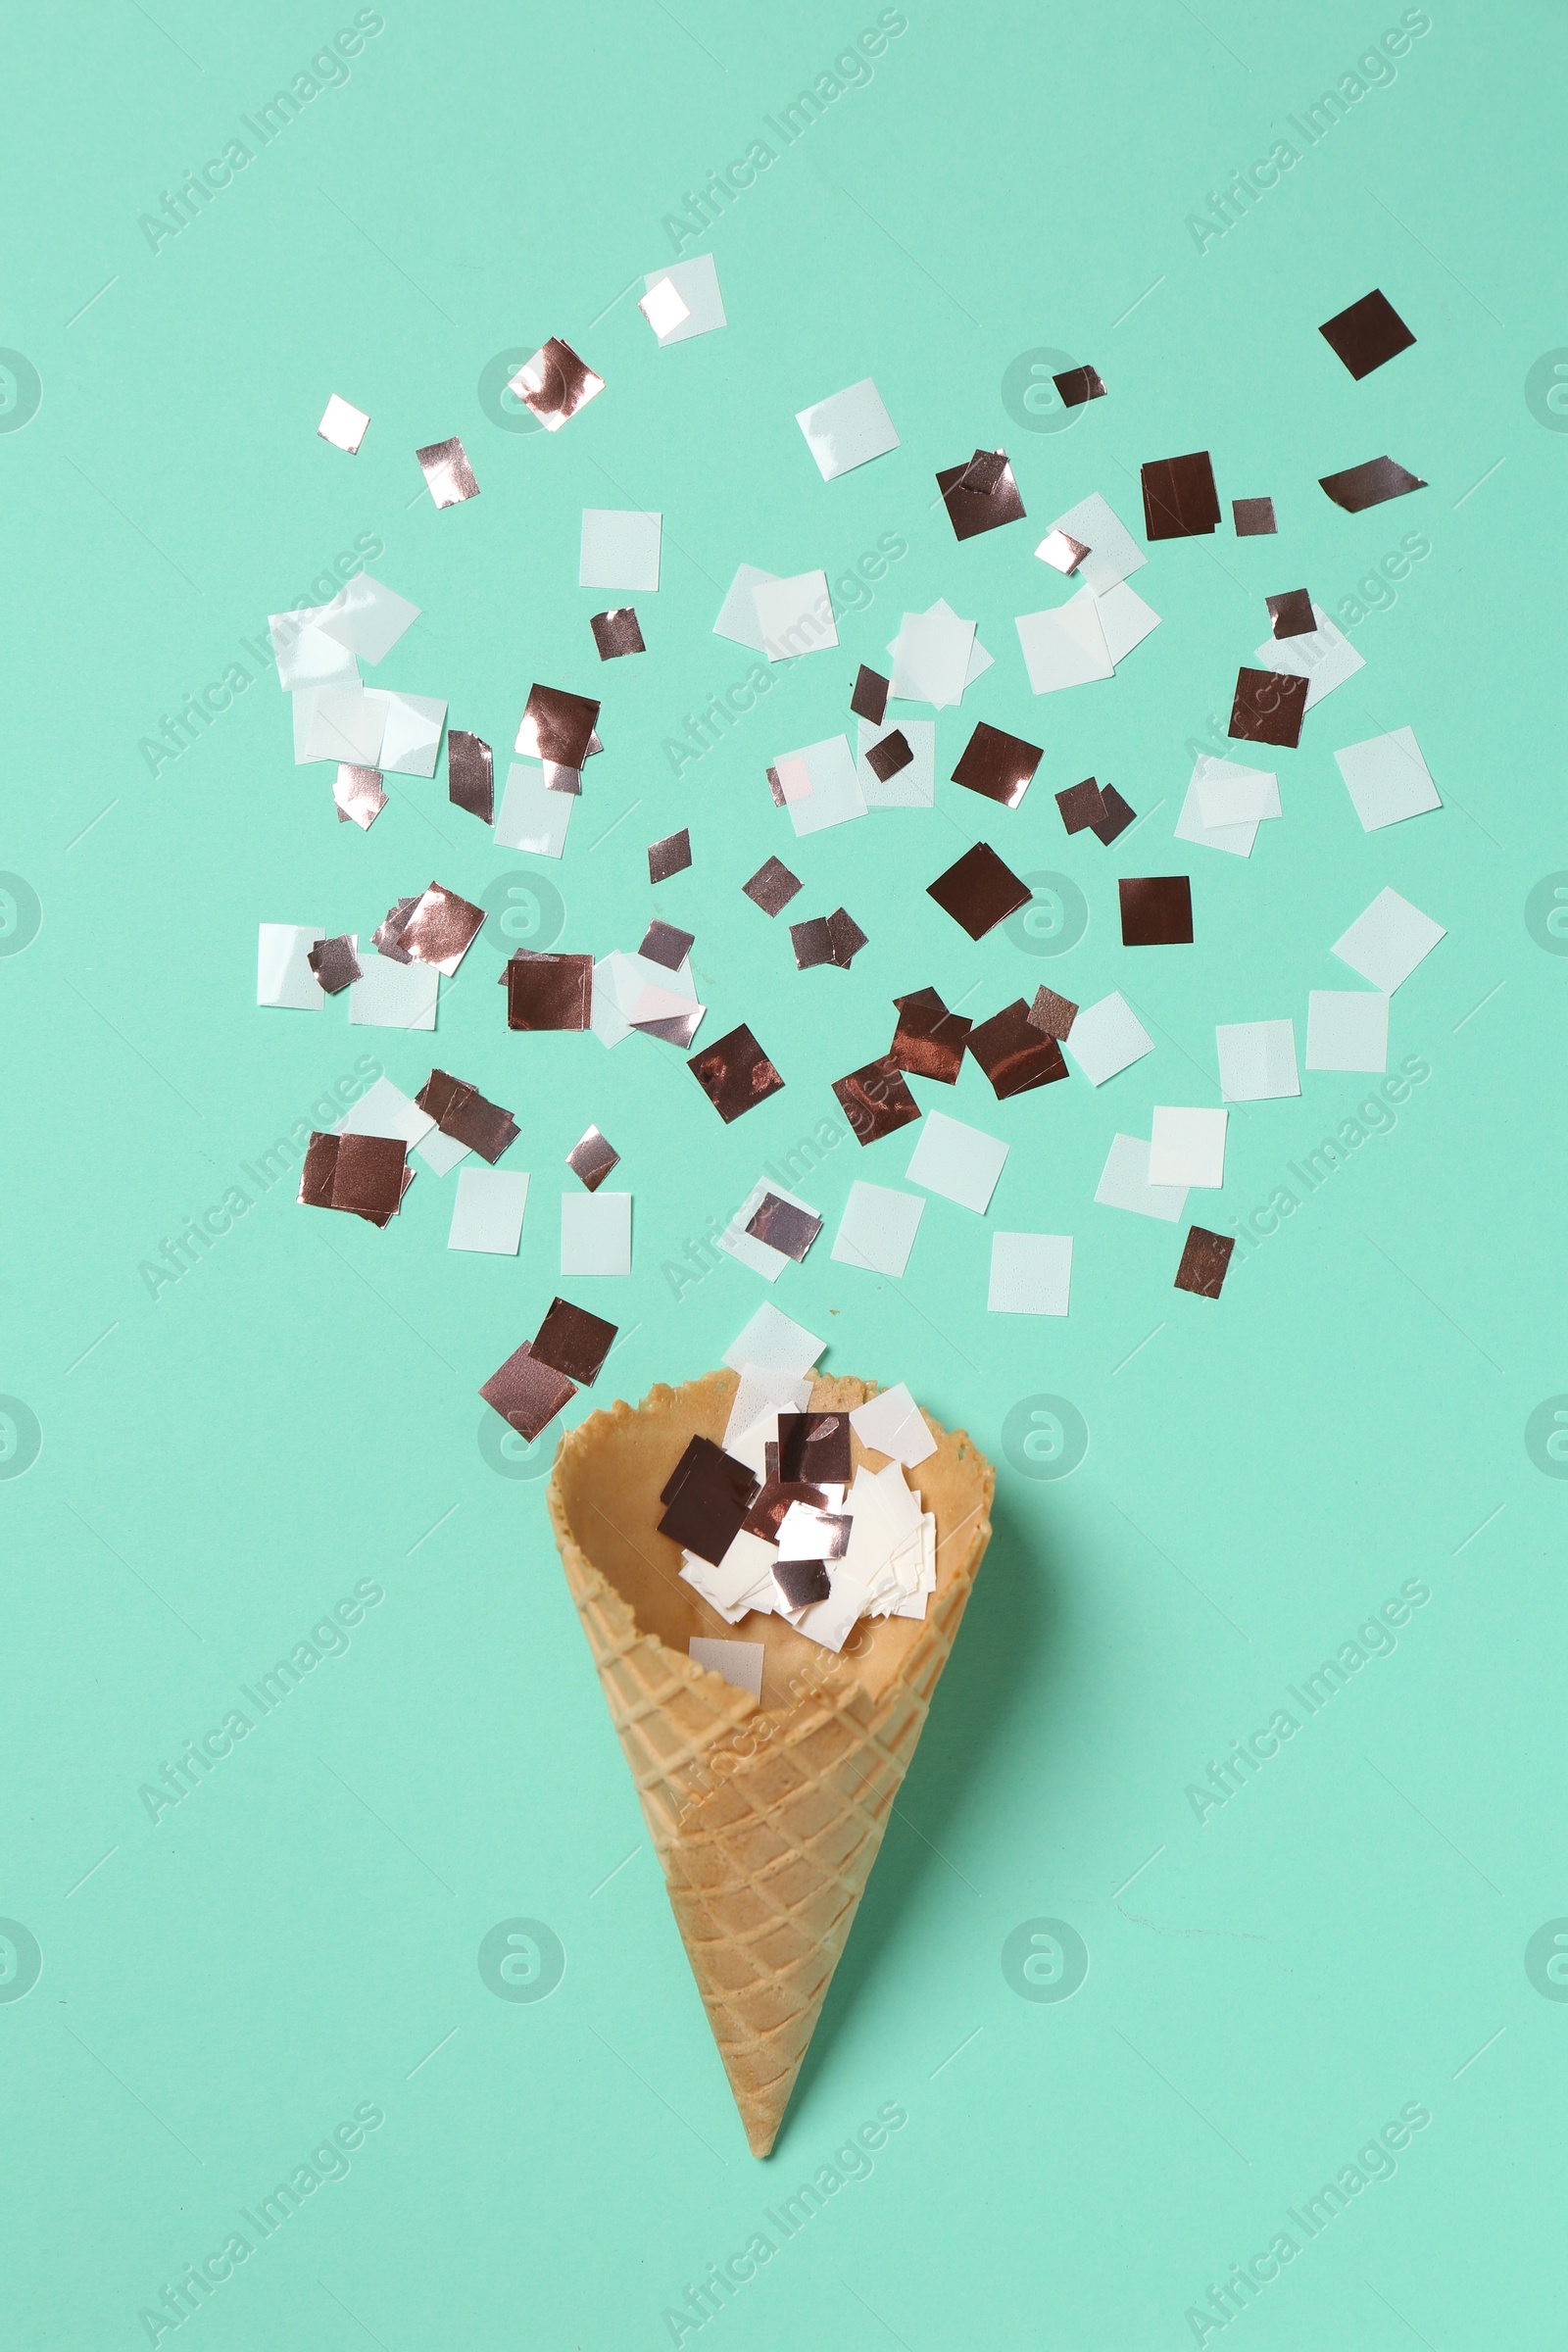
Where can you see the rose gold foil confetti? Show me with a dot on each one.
(1078, 384)
(359, 795)
(672, 856)
(735, 1074)
(548, 992)
(527, 1395)
(664, 944)
(471, 774)
(591, 1159)
(343, 425)
(440, 928)
(336, 962)
(572, 1341)
(557, 727)
(446, 468)
(1062, 551)
(772, 887)
(616, 633)
(555, 384)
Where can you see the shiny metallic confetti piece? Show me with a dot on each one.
(870, 697)
(1367, 335)
(1254, 518)
(446, 470)
(591, 1159)
(998, 765)
(875, 1100)
(801, 1582)
(470, 775)
(1291, 614)
(462, 1112)
(972, 510)
(336, 962)
(772, 887)
(572, 1341)
(1114, 818)
(359, 796)
(811, 943)
(527, 1395)
(616, 632)
(929, 1040)
(782, 1226)
(1013, 1053)
(678, 1029)
(1053, 1014)
(1078, 384)
(735, 1074)
(548, 991)
(886, 758)
(705, 1501)
(1180, 500)
(557, 727)
(1205, 1256)
(664, 944)
(1370, 485)
(670, 856)
(387, 937)
(1270, 707)
(808, 1533)
(1157, 911)
(1062, 551)
(846, 939)
(344, 426)
(555, 384)
(440, 928)
(814, 1448)
(979, 891)
(361, 1175)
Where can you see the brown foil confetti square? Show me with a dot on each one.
(461, 1112)
(571, 1339)
(1180, 500)
(875, 1100)
(470, 775)
(869, 700)
(318, 1171)
(1157, 911)
(359, 795)
(368, 1181)
(387, 935)
(979, 891)
(929, 1040)
(1082, 806)
(772, 887)
(1053, 1014)
(1013, 1053)
(1078, 384)
(845, 937)
(1367, 335)
(1270, 707)
(527, 1395)
(1291, 614)
(1370, 485)
(1117, 815)
(1253, 518)
(557, 727)
(735, 1074)
(1062, 551)
(664, 944)
(776, 1497)
(813, 1449)
(446, 470)
(972, 510)
(591, 1159)
(1000, 765)
(783, 1226)
(810, 943)
(548, 992)
(885, 759)
(1206, 1258)
(440, 928)
(616, 632)
(672, 856)
(707, 1500)
(336, 962)
(801, 1582)
(555, 384)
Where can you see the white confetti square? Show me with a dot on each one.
(848, 429)
(530, 815)
(1065, 646)
(1107, 1038)
(595, 1233)
(1387, 943)
(1124, 1183)
(284, 974)
(1387, 779)
(1188, 1145)
(794, 616)
(1031, 1273)
(620, 549)
(487, 1212)
(694, 285)
(1257, 1060)
(1113, 552)
(343, 425)
(961, 1163)
(877, 1229)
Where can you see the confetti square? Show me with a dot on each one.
(488, 1209)
(877, 1229)
(1031, 1273)
(961, 1163)
(1257, 1060)
(1188, 1145)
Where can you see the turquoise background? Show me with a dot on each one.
(298, 1938)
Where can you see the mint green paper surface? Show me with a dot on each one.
(1122, 2025)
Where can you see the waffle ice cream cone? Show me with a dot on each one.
(766, 1816)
